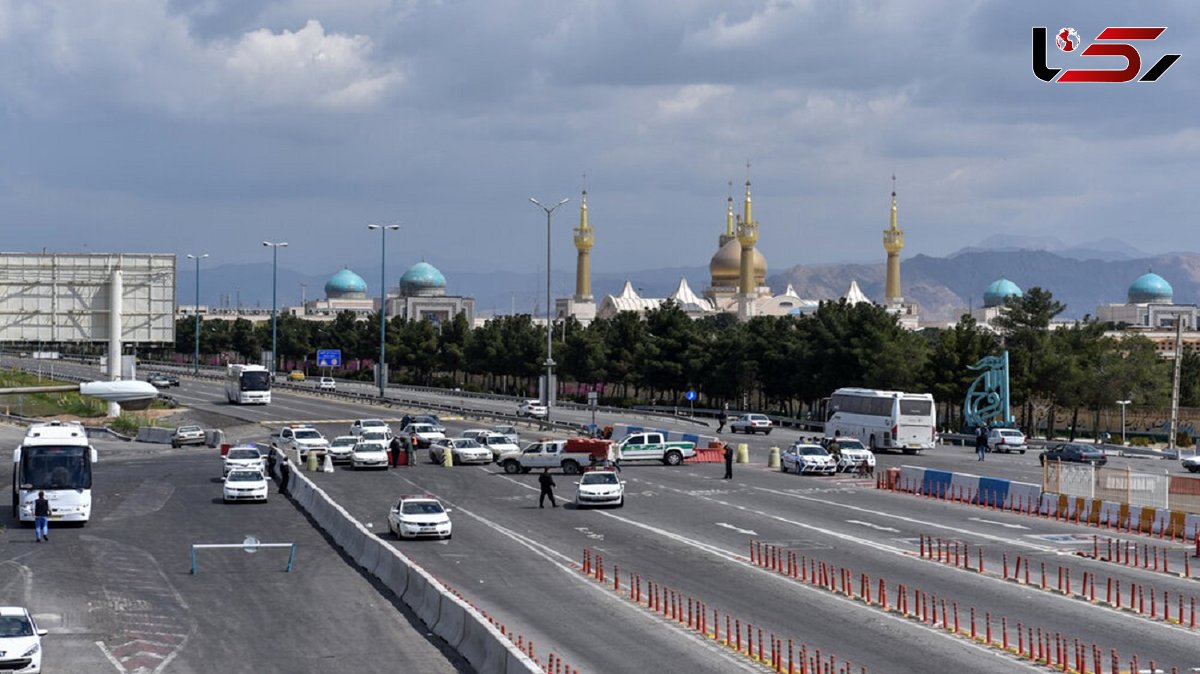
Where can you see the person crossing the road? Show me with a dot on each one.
(546, 482)
(728, 462)
(981, 438)
(394, 448)
(722, 417)
(41, 514)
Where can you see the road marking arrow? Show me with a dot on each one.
(874, 526)
(749, 532)
(1000, 524)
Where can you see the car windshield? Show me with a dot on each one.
(421, 428)
(599, 478)
(851, 444)
(245, 476)
(345, 441)
(374, 436)
(56, 468)
(256, 381)
(244, 454)
(369, 445)
(813, 450)
(1010, 434)
(307, 435)
(15, 626)
(190, 429)
(466, 443)
(498, 440)
(368, 423)
(421, 508)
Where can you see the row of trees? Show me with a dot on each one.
(783, 364)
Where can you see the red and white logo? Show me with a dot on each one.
(1067, 39)
(1112, 41)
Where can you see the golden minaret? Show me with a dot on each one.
(729, 234)
(893, 241)
(747, 234)
(584, 239)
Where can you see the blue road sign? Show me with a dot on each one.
(691, 395)
(329, 357)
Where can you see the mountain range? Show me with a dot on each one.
(1082, 276)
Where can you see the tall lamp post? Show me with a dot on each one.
(196, 310)
(1123, 403)
(546, 397)
(383, 230)
(274, 246)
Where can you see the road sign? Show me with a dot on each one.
(593, 398)
(329, 357)
(691, 395)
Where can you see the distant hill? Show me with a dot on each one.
(1101, 249)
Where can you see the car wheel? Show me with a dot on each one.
(449, 536)
(1022, 452)
(1194, 469)
(621, 503)
(175, 444)
(673, 459)
(570, 468)
(511, 467)
(767, 432)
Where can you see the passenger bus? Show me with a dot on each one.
(55, 458)
(248, 384)
(883, 419)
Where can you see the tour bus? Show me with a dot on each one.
(248, 384)
(55, 458)
(883, 419)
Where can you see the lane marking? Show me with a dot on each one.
(874, 526)
(999, 524)
(749, 532)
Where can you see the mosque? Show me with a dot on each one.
(421, 295)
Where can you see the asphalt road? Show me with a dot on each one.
(685, 529)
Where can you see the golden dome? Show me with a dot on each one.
(725, 266)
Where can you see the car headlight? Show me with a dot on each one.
(31, 650)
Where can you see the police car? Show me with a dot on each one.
(600, 487)
(341, 448)
(244, 456)
(243, 484)
(20, 641)
(418, 517)
(805, 458)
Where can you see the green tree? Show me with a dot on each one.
(954, 350)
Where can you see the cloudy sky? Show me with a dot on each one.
(209, 125)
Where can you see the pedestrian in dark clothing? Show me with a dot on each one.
(405, 421)
(395, 447)
(728, 462)
(981, 441)
(283, 476)
(722, 417)
(41, 514)
(546, 481)
(271, 464)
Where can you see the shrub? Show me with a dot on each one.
(1139, 441)
(1183, 439)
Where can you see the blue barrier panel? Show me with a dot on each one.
(992, 492)
(936, 483)
(692, 438)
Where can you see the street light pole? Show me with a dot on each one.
(383, 230)
(1123, 403)
(274, 246)
(546, 397)
(196, 311)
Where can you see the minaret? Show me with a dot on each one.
(747, 234)
(729, 234)
(584, 240)
(893, 241)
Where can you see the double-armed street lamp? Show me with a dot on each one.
(383, 230)
(1123, 403)
(274, 246)
(196, 310)
(547, 398)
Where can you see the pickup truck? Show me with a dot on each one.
(653, 446)
(569, 455)
(300, 438)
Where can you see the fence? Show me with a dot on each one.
(1162, 491)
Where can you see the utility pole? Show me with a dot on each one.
(1175, 382)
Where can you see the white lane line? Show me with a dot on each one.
(874, 526)
(749, 532)
(999, 524)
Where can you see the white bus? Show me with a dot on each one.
(248, 384)
(55, 458)
(883, 419)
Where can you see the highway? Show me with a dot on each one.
(685, 529)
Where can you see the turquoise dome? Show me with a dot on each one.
(999, 291)
(1150, 288)
(423, 275)
(345, 283)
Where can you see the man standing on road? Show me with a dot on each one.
(394, 451)
(728, 462)
(41, 515)
(981, 441)
(722, 416)
(410, 451)
(283, 475)
(546, 481)
(271, 464)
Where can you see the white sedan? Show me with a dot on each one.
(341, 448)
(361, 426)
(20, 641)
(245, 485)
(417, 516)
(803, 458)
(370, 452)
(751, 423)
(244, 456)
(498, 443)
(426, 434)
(464, 451)
(1192, 463)
(532, 408)
(600, 487)
(852, 454)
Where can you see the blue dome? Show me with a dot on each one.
(1150, 288)
(345, 283)
(423, 275)
(999, 291)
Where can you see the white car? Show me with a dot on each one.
(417, 516)
(532, 408)
(751, 423)
(510, 431)
(342, 446)
(246, 457)
(1006, 440)
(464, 450)
(1192, 463)
(366, 425)
(852, 453)
(474, 433)
(327, 384)
(371, 451)
(302, 438)
(803, 458)
(600, 487)
(498, 443)
(243, 484)
(426, 434)
(188, 435)
(20, 641)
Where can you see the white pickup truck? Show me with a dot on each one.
(554, 454)
(652, 446)
(300, 438)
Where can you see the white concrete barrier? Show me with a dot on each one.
(452, 616)
(519, 663)
(1191, 525)
(911, 478)
(392, 570)
(488, 651)
(1023, 494)
(422, 596)
(369, 557)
